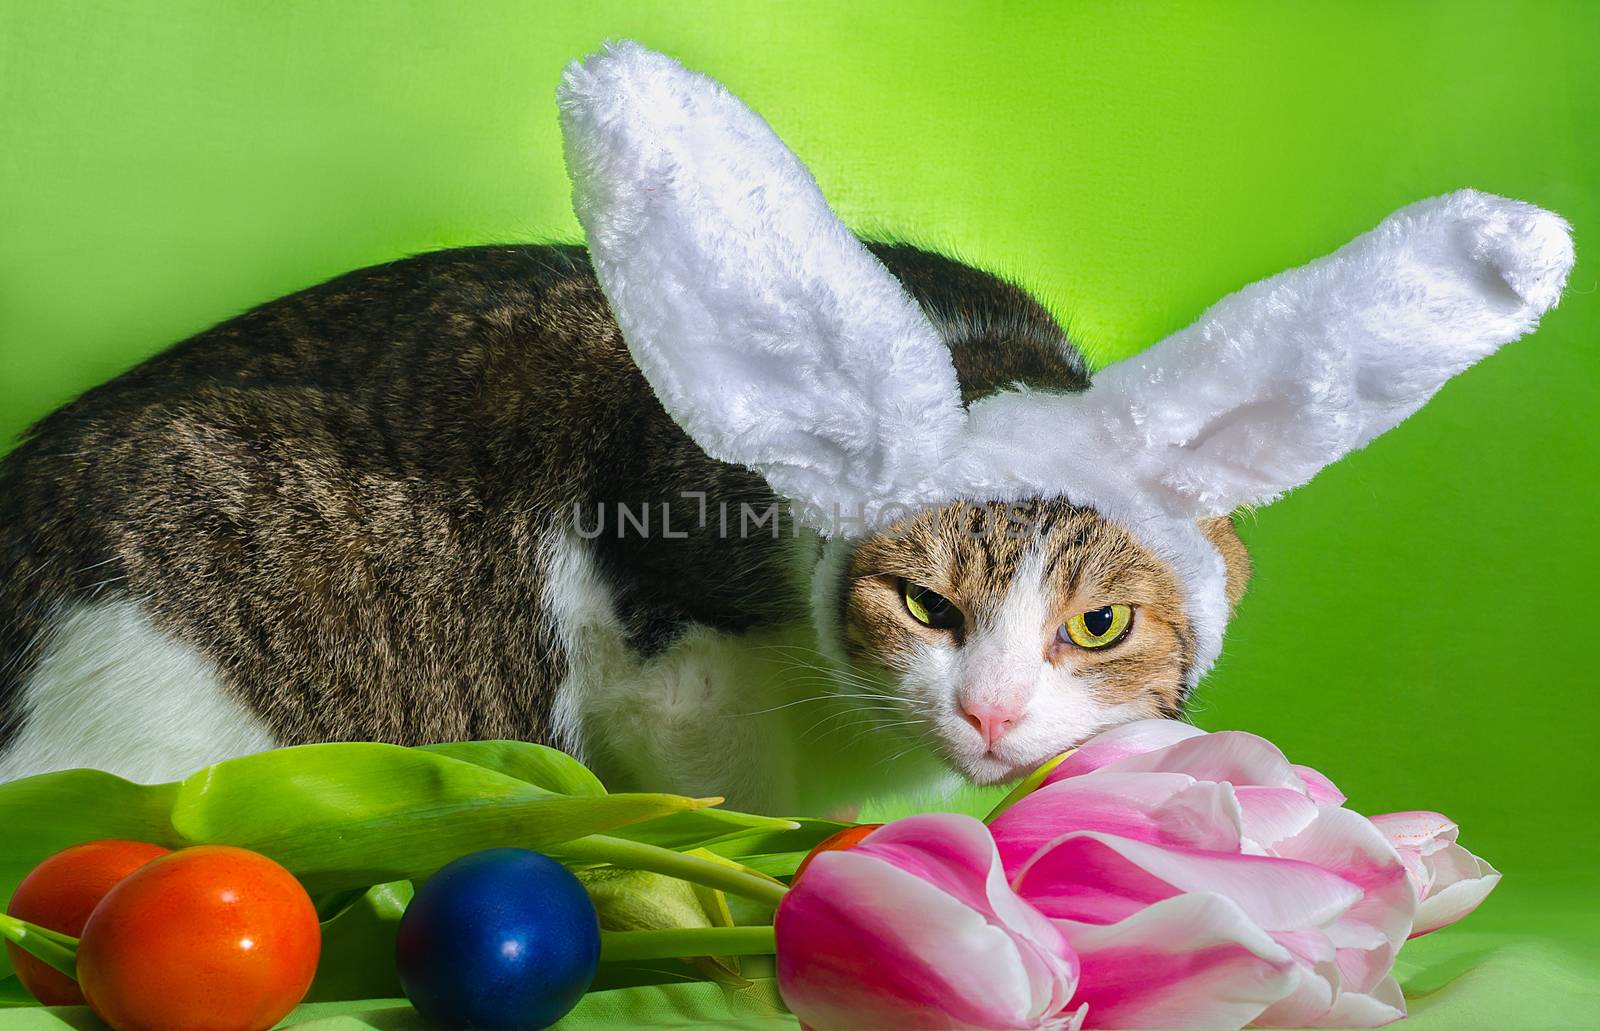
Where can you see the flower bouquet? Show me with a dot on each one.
(1157, 876)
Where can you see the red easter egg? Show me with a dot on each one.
(59, 894)
(211, 938)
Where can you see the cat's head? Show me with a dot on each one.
(1012, 631)
(777, 340)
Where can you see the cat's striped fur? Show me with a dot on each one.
(354, 513)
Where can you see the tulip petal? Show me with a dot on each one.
(1461, 881)
(1418, 870)
(1427, 832)
(1230, 755)
(1383, 1005)
(954, 853)
(1100, 879)
(959, 854)
(1448, 880)
(1192, 961)
(1319, 788)
(1083, 878)
(840, 965)
(916, 928)
(1126, 739)
(1161, 808)
(1371, 932)
(1204, 816)
(1269, 815)
(1318, 981)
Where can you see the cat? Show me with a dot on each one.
(731, 502)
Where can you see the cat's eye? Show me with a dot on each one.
(1100, 628)
(929, 608)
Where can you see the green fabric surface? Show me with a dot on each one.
(687, 1006)
(1421, 622)
(1458, 981)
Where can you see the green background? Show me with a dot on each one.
(1421, 626)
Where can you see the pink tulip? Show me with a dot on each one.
(1356, 989)
(1159, 877)
(1448, 880)
(916, 928)
(1308, 905)
(1120, 742)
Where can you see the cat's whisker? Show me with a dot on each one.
(836, 672)
(787, 705)
(899, 755)
(863, 716)
(852, 716)
(837, 689)
(828, 662)
(880, 728)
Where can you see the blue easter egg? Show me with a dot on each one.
(504, 939)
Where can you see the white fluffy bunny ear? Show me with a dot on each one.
(776, 340)
(772, 336)
(1288, 375)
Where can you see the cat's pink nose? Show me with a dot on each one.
(992, 721)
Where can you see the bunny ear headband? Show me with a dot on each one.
(777, 341)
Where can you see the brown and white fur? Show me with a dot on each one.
(365, 512)
(529, 491)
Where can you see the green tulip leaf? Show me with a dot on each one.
(777, 853)
(358, 947)
(341, 816)
(628, 946)
(698, 827)
(13, 994)
(601, 849)
(544, 767)
(345, 816)
(712, 901)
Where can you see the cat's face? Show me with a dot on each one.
(1012, 632)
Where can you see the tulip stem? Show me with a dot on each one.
(636, 855)
(1027, 786)
(686, 943)
(58, 950)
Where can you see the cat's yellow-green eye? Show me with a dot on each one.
(1101, 628)
(929, 608)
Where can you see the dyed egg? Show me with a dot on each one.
(60, 893)
(500, 939)
(210, 938)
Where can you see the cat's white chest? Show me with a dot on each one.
(762, 718)
(694, 720)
